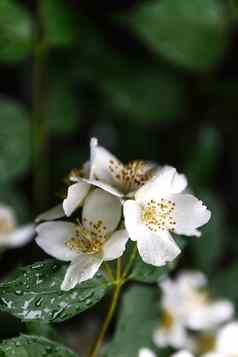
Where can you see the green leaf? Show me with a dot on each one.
(33, 346)
(207, 250)
(149, 95)
(15, 31)
(61, 23)
(147, 273)
(15, 145)
(204, 158)
(43, 329)
(63, 109)
(193, 34)
(33, 293)
(137, 321)
(224, 283)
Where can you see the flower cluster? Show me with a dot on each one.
(107, 203)
(193, 322)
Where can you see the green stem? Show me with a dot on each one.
(115, 298)
(130, 262)
(40, 145)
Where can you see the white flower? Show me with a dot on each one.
(87, 243)
(146, 352)
(186, 305)
(10, 235)
(226, 343)
(183, 353)
(110, 174)
(159, 208)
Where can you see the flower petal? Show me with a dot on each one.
(132, 213)
(76, 194)
(19, 237)
(104, 186)
(52, 236)
(101, 206)
(174, 336)
(227, 340)
(190, 213)
(93, 148)
(116, 245)
(53, 213)
(101, 164)
(83, 268)
(210, 315)
(146, 352)
(156, 248)
(166, 181)
(183, 353)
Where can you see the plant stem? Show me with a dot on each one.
(40, 143)
(115, 298)
(130, 262)
(108, 271)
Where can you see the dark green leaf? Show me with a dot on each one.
(136, 323)
(61, 23)
(224, 283)
(43, 329)
(193, 34)
(15, 146)
(63, 109)
(33, 293)
(147, 273)
(15, 31)
(33, 346)
(208, 249)
(152, 94)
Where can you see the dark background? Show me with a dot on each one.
(155, 80)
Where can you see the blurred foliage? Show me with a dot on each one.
(152, 79)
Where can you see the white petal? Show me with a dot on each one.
(101, 206)
(76, 194)
(132, 214)
(101, 163)
(116, 245)
(190, 213)
(53, 213)
(93, 147)
(146, 352)
(83, 268)
(227, 340)
(210, 316)
(52, 236)
(189, 280)
(19, 237)
(166, 181)
(156, 248)
(104, 186)
(183, 353)
(174, 336)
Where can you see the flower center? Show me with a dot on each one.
(159, 215)
(131, 176)
(6, 226)
(88, 241)
(167, 320)
(204, 344)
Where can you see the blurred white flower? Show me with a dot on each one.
(89, 241)
(146, 352)
(159, 208)
(226, 342)
(10, 235)
(110, 174)
(186, 305)
(183, 353)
